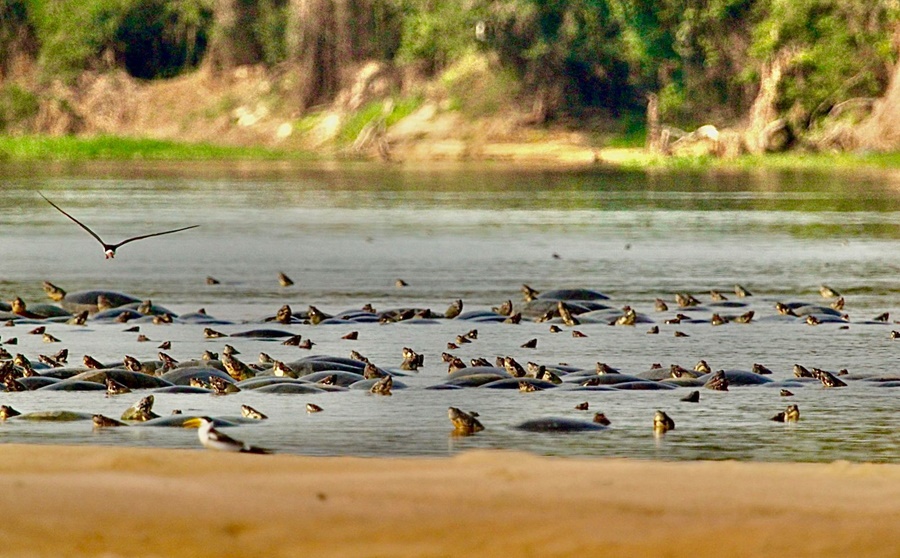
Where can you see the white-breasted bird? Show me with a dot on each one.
(110, 249)
(215, 440)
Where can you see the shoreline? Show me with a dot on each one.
(544, 156)
(110, 501)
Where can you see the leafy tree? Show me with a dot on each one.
(841, 49)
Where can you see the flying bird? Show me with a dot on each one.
(110, 249)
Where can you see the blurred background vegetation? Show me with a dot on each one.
(560, 59)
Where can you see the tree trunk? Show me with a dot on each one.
(653, 129)
(327, 38)
(18, 45)
(311, 32)
(881, 130)
(232, 43)
(763, 110)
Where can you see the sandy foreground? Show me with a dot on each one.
(110, 502)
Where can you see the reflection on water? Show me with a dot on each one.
(346, 233)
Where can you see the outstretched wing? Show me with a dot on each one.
(77, 222)
(133, 238)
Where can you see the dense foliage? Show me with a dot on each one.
(703, 58)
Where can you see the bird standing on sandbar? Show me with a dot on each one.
(215, 440)
(110, 249)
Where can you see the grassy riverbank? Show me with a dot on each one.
(111, 148)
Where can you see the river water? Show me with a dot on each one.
(345, 233)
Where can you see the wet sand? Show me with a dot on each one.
(102, 501)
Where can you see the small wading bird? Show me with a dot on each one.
(215, 440)
(110, 249)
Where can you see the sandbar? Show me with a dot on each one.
(134, 502)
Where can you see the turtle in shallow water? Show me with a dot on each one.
(662, 422)
(141, 411)
(282, 370)
(454, 310)
(382, 386)
(284, 280)
(828, 292)
(19, 308)
(828, 379)
(411, 359)
(115, 388)
(526, 387)
(566, 314)
(316, 316)
(132, 364)
(791, 414)
(235, 368)
(629, 318)
(87, 300)
(372, 372)
(505, 309)
(560, 425)
(284, 315)
(8, 412)
(102, 421)
(220, 386)
(464, 423)
(514, 368)
(249, 412)
(717, 382)
(741, 292)
(78, 319)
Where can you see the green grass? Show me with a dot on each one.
(791, 161)
(804, 161)
(355, 122)
(109, 148)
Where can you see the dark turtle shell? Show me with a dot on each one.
(740, 378)
(643, 385)
(182, 389)
(479, 371)
(56, 416)
(476, 380)
(539, 307)
(182, 376)
(291, 387)
(367, 384)
(132, 380)
(37, 382)
(48, 311)
(262, 381)
(559, 425)
(572, 294)
(87, 300)
(340, 377)
(603, 379)
(514, 383)
(311, 365)
(179, 421)
(263, 334)
(73, 385)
